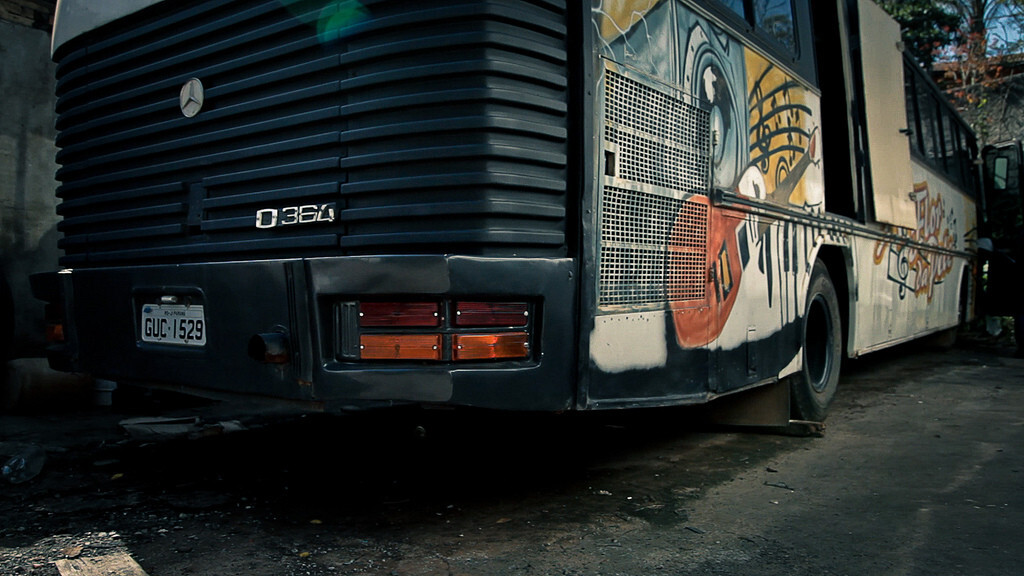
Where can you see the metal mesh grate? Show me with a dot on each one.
(653, 243)
(653, 248)
(661, 140)
(687, 253)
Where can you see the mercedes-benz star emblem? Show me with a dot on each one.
(191, 97)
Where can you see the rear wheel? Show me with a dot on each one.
(814, 387)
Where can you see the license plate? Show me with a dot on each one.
(174, 324)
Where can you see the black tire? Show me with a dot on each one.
(813, 388)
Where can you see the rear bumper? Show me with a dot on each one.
(299, 300)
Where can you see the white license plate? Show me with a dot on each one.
(174, 324)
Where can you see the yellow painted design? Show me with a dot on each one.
(619, 16)
(784, 141)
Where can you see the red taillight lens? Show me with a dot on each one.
(386, 314)
(506, 345)
(491, 314)
(442, 330)
(400, 346)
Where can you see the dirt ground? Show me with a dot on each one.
(918, 472)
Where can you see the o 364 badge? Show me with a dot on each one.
(296, 215)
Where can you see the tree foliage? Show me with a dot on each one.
(993, 24)
(968, 41)
(929, 27)
(943, 29)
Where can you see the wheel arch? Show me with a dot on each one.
(838, 260)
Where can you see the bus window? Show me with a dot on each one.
(949, 145)
(936, 134)
(967, 150)
(775, 18)
(930, 128)
(913, 113)
(1000, 169)
(734, 5)
(953, 165)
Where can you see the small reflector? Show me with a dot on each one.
(491, 314)
(400, 346)
(399, 314)
(491, 346)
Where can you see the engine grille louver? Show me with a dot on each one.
(437, 126)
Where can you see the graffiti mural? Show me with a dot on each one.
(781, 164)
(912, 270)
(714, 70)
(784, 169)
(710, 200)
(765, 146)
(783, 138)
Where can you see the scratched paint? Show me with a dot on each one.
(629, 342)
(636, 33)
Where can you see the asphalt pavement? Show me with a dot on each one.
(919, 471)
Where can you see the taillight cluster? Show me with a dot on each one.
(439, 331)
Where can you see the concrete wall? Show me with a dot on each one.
(28, 221)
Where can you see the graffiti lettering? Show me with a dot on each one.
(911, 269)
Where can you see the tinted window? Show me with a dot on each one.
(913, 119)
(966, 154)
(930, 128)
(775, 19)
(953, 151)
(734, 5)
(1000, 172)
(937, 133)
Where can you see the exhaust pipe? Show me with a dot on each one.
(270, 348)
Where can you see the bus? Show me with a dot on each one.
(519, 205)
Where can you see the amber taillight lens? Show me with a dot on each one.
(400, 346)
(503, 345)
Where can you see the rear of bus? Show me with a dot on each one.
(342, 203)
